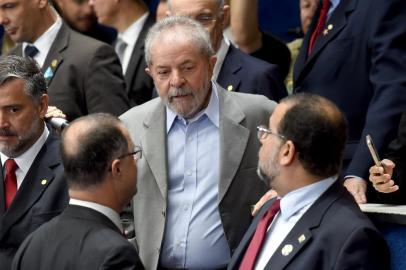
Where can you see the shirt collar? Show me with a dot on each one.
(211, 111)
(221, 55)
(45, 41)
(107, 211)
(130, 35)
(296, 200)
(25, 160)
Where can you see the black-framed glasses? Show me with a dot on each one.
(137, 153)
(263, 131)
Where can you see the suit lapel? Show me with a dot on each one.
(301, 233)
(138, 52)
(54, 57)
(231, 66)
(233, 140)
(38, 178)
(338, 21)
(154, 135)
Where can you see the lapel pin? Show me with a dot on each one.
(301, 239)
(325, 32)
(287, 249)
(44, 182)
(230, 88)
(48, 74)
(330, 27)
(54, 63)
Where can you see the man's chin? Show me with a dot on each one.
(264, 178)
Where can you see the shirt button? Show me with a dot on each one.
(185, 207)
(189, 172)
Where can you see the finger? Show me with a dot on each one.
(360, 198)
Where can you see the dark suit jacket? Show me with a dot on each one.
(360, 65)
(87, 75)
(334, 234)
(139, 83)
(36, 201)
(248, 74)
(79, 239)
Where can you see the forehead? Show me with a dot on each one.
(277, 115)
(13, 91)
(173, 50)
(193, 8)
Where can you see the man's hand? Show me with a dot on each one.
(357, 187)
(269, 195)
(54, 112)
(381, 177)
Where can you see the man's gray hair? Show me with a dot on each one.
(219, 3)
(179, 27)
(25, 68)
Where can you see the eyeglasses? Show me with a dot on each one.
(263, 131)
(137, 153)
(206, 20)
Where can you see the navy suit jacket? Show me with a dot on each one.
(79, 239)
(42, 195)
(332, 234)
(247, 74)
(139, 83)
(360, 64)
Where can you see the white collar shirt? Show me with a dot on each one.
(221, 55)
(25, 160)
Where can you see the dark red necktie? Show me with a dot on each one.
(251, 254)
(10, 182)
(320, 25)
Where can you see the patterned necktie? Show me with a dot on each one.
(251, 254)
(10, 182)
(30, 51)
(320, 25)
(121, 45)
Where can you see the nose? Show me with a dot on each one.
(91, 2)
(3, 18)
(4, 123)
(177, 79)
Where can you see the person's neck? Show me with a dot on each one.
(47, 20)
(128, 15)
(94, 195)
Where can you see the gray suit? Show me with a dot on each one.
(239, 185)
(86, 75)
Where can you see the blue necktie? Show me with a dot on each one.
(30, 51)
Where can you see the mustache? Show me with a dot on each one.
(179, 92)
(7, 132)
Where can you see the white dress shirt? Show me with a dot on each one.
(25, 160)
(293, 206)
(221, 55)
(107, 211)
(130, 37)
(45, 41)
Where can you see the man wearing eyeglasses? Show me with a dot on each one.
(234, 70)
(198, 179)
(315, 223)
(100, 166)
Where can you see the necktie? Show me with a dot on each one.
(320, 25)
(10, 183)
(250, 256)
(30, 51)
(121, 45)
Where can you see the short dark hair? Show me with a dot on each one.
(25, 68)
(88, 159)
(318, 130)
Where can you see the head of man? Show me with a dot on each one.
(100, 160)
(307, 10)
(79, 14)
(180, 60)
(25, 20)
(23, 104)
(212, 14)
(304, 143)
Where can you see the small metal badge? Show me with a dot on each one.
(287, 249)
(44, 182)
(301, 238)
(54, 63)
(230, 88)
(330, 27)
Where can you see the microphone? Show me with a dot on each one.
(58, 123)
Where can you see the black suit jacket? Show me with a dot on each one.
(332, 234)
(360, 65)
(139, 83)
(247, 74)
(83, 75)
(79, 239)
(42, 195)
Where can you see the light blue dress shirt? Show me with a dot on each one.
(334, 4)
(194, 236)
